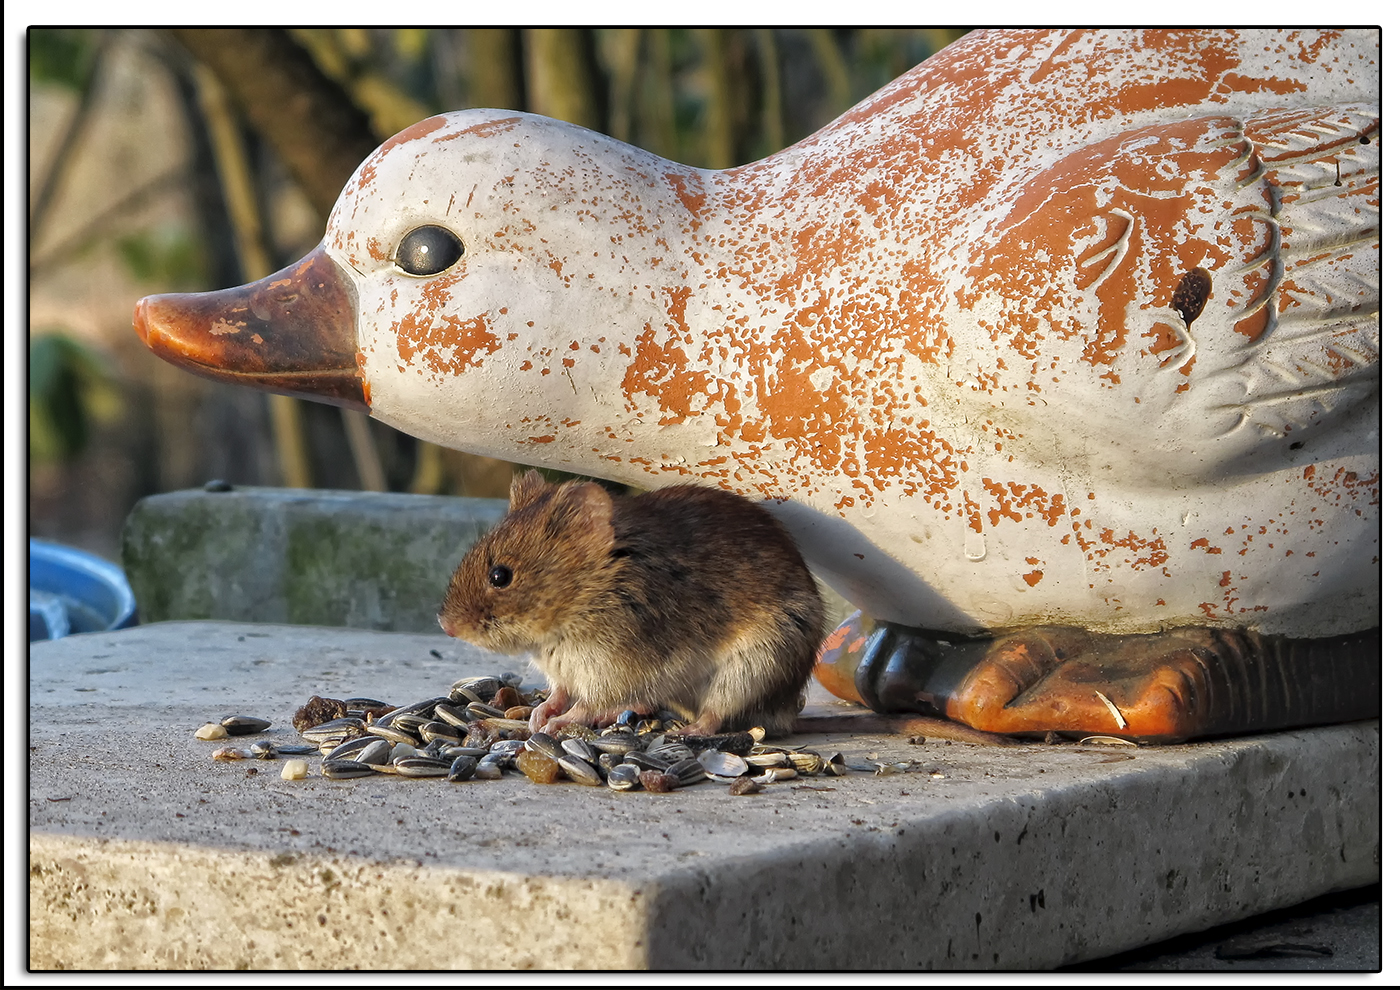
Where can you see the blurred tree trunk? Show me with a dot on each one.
(208, 430)
(319, 133)
(939, 38)
(341, 53)
(561, 75)
(620, 50)
(63, 158)
(833, 69)
(772, 91)
(240, 197)
(322, 137)
(719, 126)
(657, 115)
(494, 75)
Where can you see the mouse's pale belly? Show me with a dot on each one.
(604, 680)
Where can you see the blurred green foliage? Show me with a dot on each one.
(167, 256)
(61, 55)
(71, 388)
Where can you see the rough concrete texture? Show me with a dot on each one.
(360, 559)
(1335, 932)
(146, 853)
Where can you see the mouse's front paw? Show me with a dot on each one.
(557, 703)
(706, 725)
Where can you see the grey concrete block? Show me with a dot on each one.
(367, 560)
(146, 853)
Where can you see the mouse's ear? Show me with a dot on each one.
(526, 488)
(588, 508)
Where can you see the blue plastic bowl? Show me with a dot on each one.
(73, 592)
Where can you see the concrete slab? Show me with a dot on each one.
(145, 853)
(371, 560)
(1338, 932)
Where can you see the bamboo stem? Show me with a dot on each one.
(621, 47)
(772, 91)
(719, 130)
(658, 100)
(63, 157)
(557, 77)
(429, 472)
(362, 449)
(833, 67)
(493, 68)
(342, 55)
(239, 196)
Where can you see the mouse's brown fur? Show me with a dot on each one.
(686, 598)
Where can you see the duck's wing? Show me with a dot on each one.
(1307, 339)
(1191, 292)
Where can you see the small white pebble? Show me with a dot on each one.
(211, 730)
(295, 769)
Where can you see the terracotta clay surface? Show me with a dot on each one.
(1185, 683)
(1078, 328)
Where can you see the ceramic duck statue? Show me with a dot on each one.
(1062, 348)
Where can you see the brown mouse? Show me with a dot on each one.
(686, 598)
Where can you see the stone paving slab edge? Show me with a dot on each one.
(1025, 857)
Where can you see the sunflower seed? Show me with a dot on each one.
(687, 772)
(463, 768)
(542, 742)
(232, 753)
(579, 748)
(453, 715)
(337, 728)
(580, 771)
(625, 777)
(419, 766)
(488, 770)
(345, 769)
(440, 730)
(393, 734)
(620, 743)
(365, 749)
(723, 764)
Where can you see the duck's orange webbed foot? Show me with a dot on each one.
(1169, 686)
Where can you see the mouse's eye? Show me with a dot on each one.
(499, 576)
(428, 250)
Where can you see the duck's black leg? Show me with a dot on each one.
(1179, 684)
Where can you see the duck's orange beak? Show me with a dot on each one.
(292, 332)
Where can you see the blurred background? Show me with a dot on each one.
(196, 159)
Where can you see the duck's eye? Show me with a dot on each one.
(428, 250)
(499, 576)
